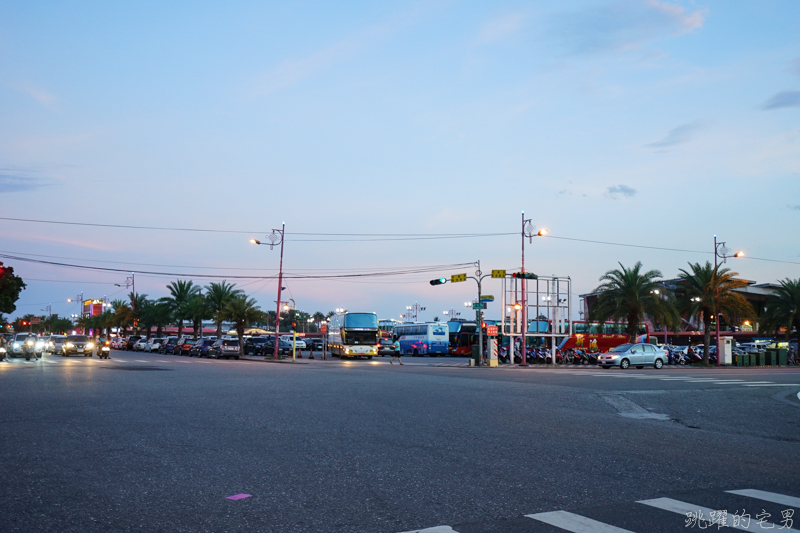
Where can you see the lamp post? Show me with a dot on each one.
(275, 238)
(720, 251)
(527, 231)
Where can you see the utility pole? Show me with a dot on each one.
(527, 232)
(720, 251)
(275, 238)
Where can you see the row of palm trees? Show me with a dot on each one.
(188, 302)
(703, 292)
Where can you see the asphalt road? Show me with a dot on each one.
(156, 443)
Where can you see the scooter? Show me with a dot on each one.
(104, 352)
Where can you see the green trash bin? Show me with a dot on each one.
(742, 359)
(783, 354)
(476, 354)
(752, 357)
(771, 357)
(761, 358)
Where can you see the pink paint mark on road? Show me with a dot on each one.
(237, 497)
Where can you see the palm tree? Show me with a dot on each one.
(180, 293)
(197, 309)
(123, 316)
(783, 308)
(242, 311)
(218, 296)
(708, 291)
(631, 295)
(145, 314)
(162, 315)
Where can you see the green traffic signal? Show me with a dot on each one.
(524, 275)
(440, 281)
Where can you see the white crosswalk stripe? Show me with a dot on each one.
(676, 506)
(575, 523)
(768, 497)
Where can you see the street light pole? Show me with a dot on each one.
(527, 231)
(275, 238)
(720, 250)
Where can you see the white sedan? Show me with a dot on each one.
(638, 355)
(299, 343)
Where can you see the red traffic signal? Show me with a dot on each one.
(524, 275)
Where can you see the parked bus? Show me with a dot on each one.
(462, 335)
(595, 336)
(353, 335)
(430, 338)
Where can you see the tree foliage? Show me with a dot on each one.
(782, 308)
(630, 295)
(707, 291)
(10, 287)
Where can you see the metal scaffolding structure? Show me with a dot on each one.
(549, 307)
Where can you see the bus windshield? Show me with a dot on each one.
(361, 320)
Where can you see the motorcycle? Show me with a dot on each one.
(105, 350)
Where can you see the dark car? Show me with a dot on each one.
(224, 349)
(268, 348)
(200, 348)
(133, 339)
(316, 344)
(253, 345)
(77, 345)
(168, 346)
(183, 346)
(386, 346)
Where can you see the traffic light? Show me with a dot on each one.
(524, 275)
(294, 324)
(440, 281)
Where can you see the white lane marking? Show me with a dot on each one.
(140, 361)
(773, 497)
(682, 508)
(160, 361)
(575, 523)
(747, 383)
(437, 529)
(187, 362)
(771, 384)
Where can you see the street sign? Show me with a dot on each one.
(455, 278)
(498, 273)
(36, 320)
(487, 298)
(323, 328)
(491, 331)
(478, 305)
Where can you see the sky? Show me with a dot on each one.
(652, 123)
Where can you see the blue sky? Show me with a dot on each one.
(649, 122)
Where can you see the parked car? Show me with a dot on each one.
(300, 344)
(638, 355)
(183, 346)
(153, 345)
(224, 349)
(386, 347)
(140, 345)
(200, 348)
(268, 348)
(168, 346)
(253, 345)
(131, 342)
(316, 344)
(77, 345)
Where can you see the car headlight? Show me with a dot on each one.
(89, 345)
(2, 350)
(16, 345)
(69, 345)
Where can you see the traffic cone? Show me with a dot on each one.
(299, 354)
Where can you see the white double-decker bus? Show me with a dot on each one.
(353, 335)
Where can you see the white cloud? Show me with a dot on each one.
(40, 95)
(501, 27)
(620, 190)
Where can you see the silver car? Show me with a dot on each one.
(638, 355)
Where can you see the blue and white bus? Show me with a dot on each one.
(431, 338)
(353, 335)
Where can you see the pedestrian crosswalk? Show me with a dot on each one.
(677, 515)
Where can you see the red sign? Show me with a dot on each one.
(323, 328)
(491, 331)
